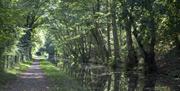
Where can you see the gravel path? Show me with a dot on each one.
(31, 80)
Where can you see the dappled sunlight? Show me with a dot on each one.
(90, 45)
(33, 72)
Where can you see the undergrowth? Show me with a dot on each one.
(60, 81)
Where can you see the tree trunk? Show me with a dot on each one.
(98, 35)
(108, 32)
(116, 65)
(2, 63)
(150, 73)
(150, 63)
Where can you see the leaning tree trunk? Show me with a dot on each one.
(150, 67)
(132, 61)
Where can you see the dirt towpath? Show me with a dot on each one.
(31, 80)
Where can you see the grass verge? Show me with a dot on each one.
(59, 80)
(11, 74)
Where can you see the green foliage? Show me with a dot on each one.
(82, 32)
(10, 28)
